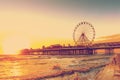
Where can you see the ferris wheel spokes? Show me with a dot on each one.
(83, 34)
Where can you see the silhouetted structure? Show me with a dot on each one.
(74, 50)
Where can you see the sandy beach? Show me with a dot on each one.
(52, 67)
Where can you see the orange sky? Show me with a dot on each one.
(45, 23)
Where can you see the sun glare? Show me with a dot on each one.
(12, 45)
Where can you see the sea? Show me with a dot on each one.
(52, 67)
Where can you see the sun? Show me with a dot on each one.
(12, 44)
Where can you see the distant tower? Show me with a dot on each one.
(43, 47)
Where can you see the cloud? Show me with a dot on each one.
(111, 38)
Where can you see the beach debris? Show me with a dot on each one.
(56, 67)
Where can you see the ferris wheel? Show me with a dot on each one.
(84, 34)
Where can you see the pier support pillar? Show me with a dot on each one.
(109, 51)
(94, 51)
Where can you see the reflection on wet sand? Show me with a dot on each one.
(10, 70)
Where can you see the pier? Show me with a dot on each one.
(107, 48)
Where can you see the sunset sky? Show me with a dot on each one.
(45, 22)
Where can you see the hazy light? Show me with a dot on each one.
(12, 44)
